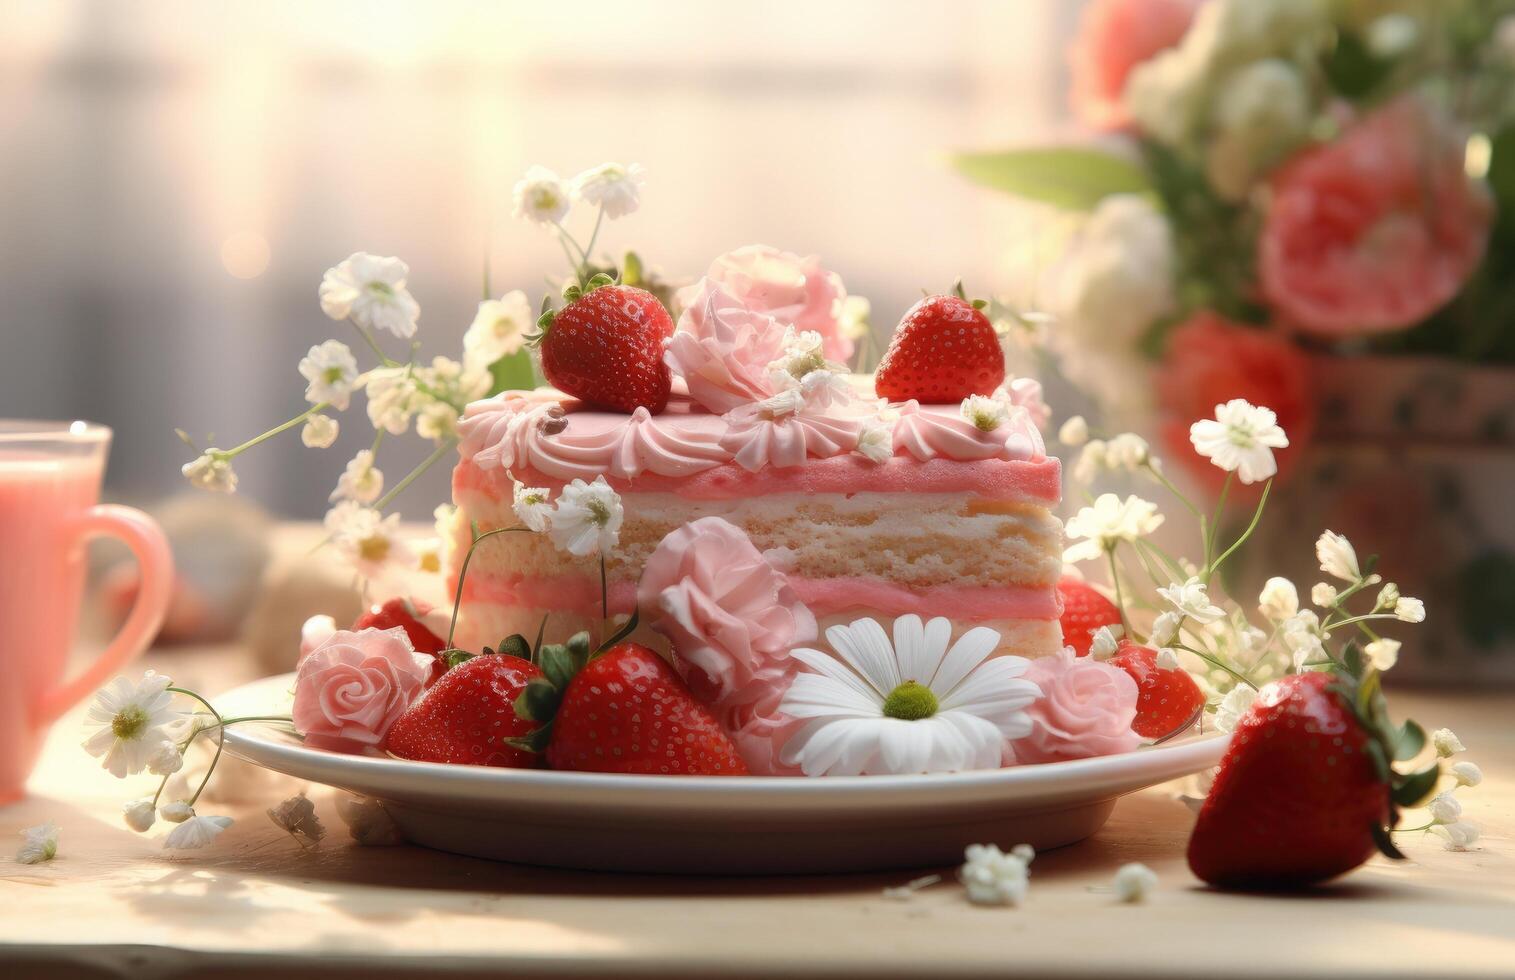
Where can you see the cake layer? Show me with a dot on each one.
(911, 540)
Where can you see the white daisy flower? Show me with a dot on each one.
(361, 480)
(1382, 653)
(1466, 773)
(1193, 600)
(541, 196)
(985, 414)
(587, 518)
(332, 372)
(876, 441)
(1446, 743)
(140, 815)
(1240, 439)
(196, 832)
(1109, 521)
(992, 877)
(319, 431)
(38, 844)
(210, 472)
(1134, 882)
(134, 719)
(1459, 836)
(1337, 557)
(1074, 432)
(533, 506)
(613, 186)
(1278, 600)
(1237, 702)
(498, 330)
(372, 543)
(1410, 610)
(370, 291)
(908, 707)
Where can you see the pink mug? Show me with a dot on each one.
(50, 475)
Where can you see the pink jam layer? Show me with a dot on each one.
(994, 479)
(824, 596)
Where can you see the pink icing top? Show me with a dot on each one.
(548, 433)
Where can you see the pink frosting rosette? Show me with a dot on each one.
(722, 349)
(732, 619)
(793, 290)
(352, 687)
(1085, 710)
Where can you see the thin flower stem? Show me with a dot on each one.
(604, 595)
(1158, 475)
(1220, 509)
(1218, 663)
(1120, 601)
(1353, 621)
(1150, 550)
(568, 240)
(457, 599)
(1414, 830)
(414, 474)
(283, 427)
(378, 440)
(1256, 517)
(594, 235)
(220, 727)
(373, 345)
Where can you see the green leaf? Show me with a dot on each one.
(1353, 69)
(513, 372)
(538, 701)
(535, 740)
(578, 650)
(627, 628)
(1408, 741)
(536, 647)
(557, 664)
(515, 645)
(1380, 761)
(631, 269)
(455, 657)
(1068, 177)
(1412, 789)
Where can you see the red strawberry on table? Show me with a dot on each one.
(468, 716)
(626, 711)
(1300, 797)
(943, 350)
(1167, 700)
(606, 347)
(407, 615)
(1085, 609)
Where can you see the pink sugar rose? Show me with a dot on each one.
(722, 349)
(794, 291)
(1376, 230)
(350, 689)
(731, 616)
(1085, 710)
(1114, 36)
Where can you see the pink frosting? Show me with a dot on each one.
(756, 440)
(722, 349)
(1027, 393)
(351, 688)
(928, 434)
(1086, 710)
(791, 289)
(730, 616)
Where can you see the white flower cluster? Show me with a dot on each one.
(586, 520)
(1445, 809)
(992, 877)
(545, 198)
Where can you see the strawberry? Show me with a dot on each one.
(1085, 609)
(943, 350)
(623, 710)
(1167, 700)
(407, 614)
(468, 716)
(1304, 792)
(606, 347)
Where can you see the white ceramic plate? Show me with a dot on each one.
(714, 825)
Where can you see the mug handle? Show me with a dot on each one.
(142, 535)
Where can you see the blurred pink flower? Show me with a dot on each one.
(1208, 361)
(1376, 230)
(791, 289)
(1114, 36)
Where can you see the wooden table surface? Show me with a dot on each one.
(115, 903)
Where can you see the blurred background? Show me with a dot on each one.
(178, 175)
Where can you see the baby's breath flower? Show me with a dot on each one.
(319, 431)
(1074, 432)
(1278, 600)
(361, 481)
(993, 877)
(1240, 439)
(1127, 451)
(196, 832)
(370, 290)
(166, 759)
(1165, 628)
(1410, 610)
(393, 398)
(587, 518)
(986, 414)
(541, 196)
(332, 372)
(1323, 595)
(613, 186)
(176, 811)
(1109, 521)
(210, 471)
(1444, 807)
(372, 543)
(1459, 836)
(1237, 702)
(134, 721)
(1446, 743)
(498, 330)
(533, 506)
(1388, 596)
(1193, 600)
(140, 815)
(38, 844)
(1167, 659)
(1134, 882)
(1091, 460)
(1103, 643)
(1301, 634)
(1382, 653)
(1466, 773)
(1337, 557)
(876, 441)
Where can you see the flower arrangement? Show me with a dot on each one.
(1276, 179)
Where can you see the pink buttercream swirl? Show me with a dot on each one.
(927, 434)
(722, 349)
(756, 437)
(794, 290)
(1086, 710)
(731, 618)
(351, 688)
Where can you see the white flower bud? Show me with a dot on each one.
(1279, 599)
(1446, 743)
(1323, 595)
(1387, 596)
(176, 812)
(1134, 882)
(1444, 808)
(139, 815)
(1167, 659)
(1382, 654)
(1457, 836)
(1410, 610)
(1074, 432)
(1467, 774)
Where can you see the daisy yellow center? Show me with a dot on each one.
(128, 722)
(911, 701)
(375, 548)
